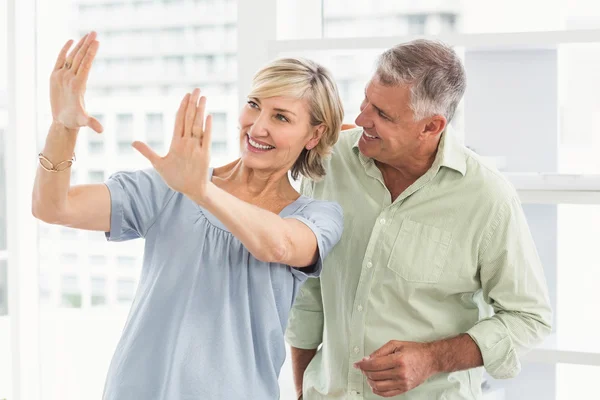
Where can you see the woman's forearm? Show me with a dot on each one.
(265, 234)
(50, 190)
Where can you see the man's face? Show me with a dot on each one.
(391, 133)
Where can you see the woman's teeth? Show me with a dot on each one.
(258, 145)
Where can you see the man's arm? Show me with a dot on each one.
(300, 360)
(513, 282)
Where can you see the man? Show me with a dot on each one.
(433, 237)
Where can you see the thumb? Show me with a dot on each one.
(147, 152)
(95, 125)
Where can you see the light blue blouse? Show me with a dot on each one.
(208, 319)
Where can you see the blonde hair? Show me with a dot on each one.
(305, 79)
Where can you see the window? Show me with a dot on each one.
(145, 65)
(3, 291)
(125, 290)
(96, 260)
(68, 233)
(155, 132)
(219, 136)
(126, 261)
(95, 140)
(124, 133)
(70, 292)
(45, 288)
(95, 176)
(69, 259)
(98, 290)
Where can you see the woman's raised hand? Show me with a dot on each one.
(68, 84)
(185, 167)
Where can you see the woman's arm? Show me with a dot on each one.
(53, 199)
(266, 235)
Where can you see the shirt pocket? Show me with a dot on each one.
(419, 252)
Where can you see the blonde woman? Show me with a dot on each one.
(226, 249)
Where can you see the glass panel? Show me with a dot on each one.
(576, 381)
(124, 133)
(150, 56)
(5, 320)
(351, 18)
(126, 262)
(125, 289)
(579, 108)
(70, 291)
(98, 291)
(578, 273)
(155, 132)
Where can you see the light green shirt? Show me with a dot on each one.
(431, 265)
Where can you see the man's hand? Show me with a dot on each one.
(398, 367)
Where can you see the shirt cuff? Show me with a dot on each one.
(305, 329)
(500, 357)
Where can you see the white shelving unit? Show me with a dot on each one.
(539, 188)
(558, 349)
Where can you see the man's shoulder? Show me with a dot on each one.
(343, 151)
(491, 184)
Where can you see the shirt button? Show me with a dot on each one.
(382, 221)
(369, 264)
(359, 308)
(356, 349)
(354, 393)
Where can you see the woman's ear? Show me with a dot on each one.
(318, 132)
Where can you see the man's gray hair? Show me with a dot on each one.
(432, 69)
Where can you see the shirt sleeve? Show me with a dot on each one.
(326, 220)
(136, 199)
(305, 323)
(513, 282)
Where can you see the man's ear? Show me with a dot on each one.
(434, 126)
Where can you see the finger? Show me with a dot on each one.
(73, 52)
(86, 65)
(147, 152)
(62, 56)
(386, 386)
(91, 37)
(382, 375)
(207, 137)
(180, 117)
(191, 113)
(378, 363)
(198, 127)
(95, 124)
(388, 348)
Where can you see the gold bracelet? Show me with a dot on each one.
(61, 166)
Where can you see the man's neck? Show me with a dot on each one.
(399, 177)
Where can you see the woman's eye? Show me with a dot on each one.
(252, 104)
(282, 118)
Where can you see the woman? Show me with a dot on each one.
(226, 250)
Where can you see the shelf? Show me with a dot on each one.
(474, 41)
(558, 349)
(540, 188)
